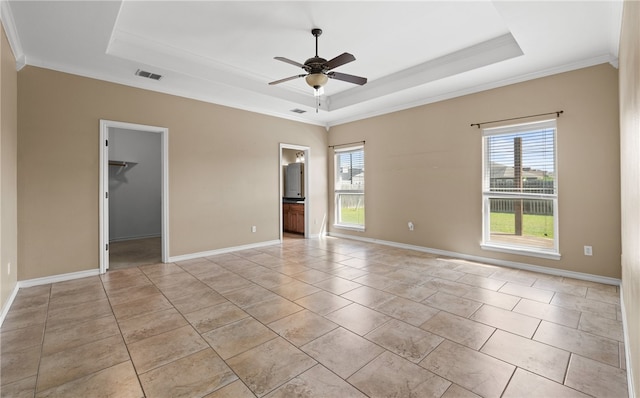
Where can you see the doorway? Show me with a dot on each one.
(133, 194)
(289, 154)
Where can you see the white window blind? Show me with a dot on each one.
(349, 187)
(520, 187)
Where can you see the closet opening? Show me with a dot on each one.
(133, 195)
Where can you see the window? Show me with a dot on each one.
(520, 189)
(349, 187)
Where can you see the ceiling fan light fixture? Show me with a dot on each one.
(316, 80)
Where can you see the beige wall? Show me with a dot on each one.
(223, 169)
(630, 190)
(8, 174)
(424, 165)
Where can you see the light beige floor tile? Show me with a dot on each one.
(595, 378)
(20, 339)
(312, 276)
(607, 295)
(31, 301)
(390, 375)
(535, 357)
(79, 295)
(506, 320)
(213, 317)
(347, 272)
(584, 304)
(63, 366)
(461, 330)
(237, 337)
(227, 282)
(406, 310)
(236, 389)
(155, 271)
(302, 327)
(24, 318)
(116, 381)
(295, 290)
(247, 296)
(164, 348)
(132, 293)
(482, 282)
(579, 342)
(411, 291)
(76, 314)
(473, 370)
(405, 340)
(357, 318)
(316, 382)
(368, 296)
(455, 391)
(473, 268)
(18, 365)
(342, 352)
(376, 281)
(604, 327)
(197, 300)
(449, 287)
(525, 384)
(528, 292)
(272, 309)
(192, 376)
(23, 388)
(453, 304)
(270, 279)
(513, 275)
(156, 302)
(269, 365)
(561, 287)
(171, 281)
(322, 302)
(68, 337)
(496, 299)
(337, 285)
(144, 326)
(548, 312)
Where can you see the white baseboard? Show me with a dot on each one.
(7, 304)
(208, 253)
(627, 352)
(58, 278)
(510, 264)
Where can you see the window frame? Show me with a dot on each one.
(338, 192)
(487, 194)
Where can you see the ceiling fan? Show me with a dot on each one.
(319, 70)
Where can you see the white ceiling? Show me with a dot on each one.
(412, 53)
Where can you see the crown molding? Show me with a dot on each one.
(6, 15)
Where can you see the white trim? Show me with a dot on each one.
(58, 278)
(521, 251)
(627, 352)
(510, 264)
(8, 303)
(105, 125)
(225, 250)
(12, 34)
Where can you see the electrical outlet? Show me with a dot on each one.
(253, 229)
(410, 225)
(588, 251)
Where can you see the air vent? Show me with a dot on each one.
(148, 75)
(298, 110)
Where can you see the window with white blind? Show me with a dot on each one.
(349, 187)
(520, 189)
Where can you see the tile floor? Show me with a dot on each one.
(315, 318)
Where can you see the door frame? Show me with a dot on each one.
(307, 196)
(105, 125)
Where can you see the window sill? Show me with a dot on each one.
(349, 227)
(521, 251)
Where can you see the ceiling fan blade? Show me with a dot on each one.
(347, 78)
(341, 59)
(286, 79)
(294, 63)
